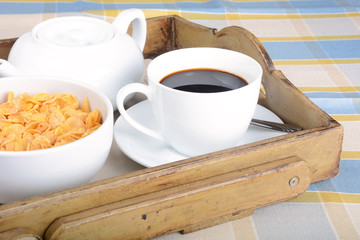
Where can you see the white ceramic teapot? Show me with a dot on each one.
(84, 49)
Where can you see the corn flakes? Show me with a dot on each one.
(32, 122)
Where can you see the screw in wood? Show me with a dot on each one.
(294, 181)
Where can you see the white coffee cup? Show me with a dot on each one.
(197, 123)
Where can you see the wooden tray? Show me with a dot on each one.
(197, 192)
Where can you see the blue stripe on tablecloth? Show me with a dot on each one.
(333, 94)
(338, 105)
(211, 6)
(307, 7)
(347, 181)
(20, 7)
(342, 48)
(77, 6)
(322, 49)
(41, 7)
(336, 102)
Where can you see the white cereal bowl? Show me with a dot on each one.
(25, 174)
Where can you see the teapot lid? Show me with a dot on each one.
(74, 31)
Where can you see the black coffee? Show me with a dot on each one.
(203, 81)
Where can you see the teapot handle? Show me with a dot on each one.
(137, 17)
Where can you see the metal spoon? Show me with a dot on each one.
(283, 127)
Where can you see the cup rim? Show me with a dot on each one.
(199, 50)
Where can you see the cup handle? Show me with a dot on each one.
(120, 98)
(137, 17)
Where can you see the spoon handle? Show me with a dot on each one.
(284, 127)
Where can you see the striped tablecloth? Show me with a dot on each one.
(316, 43)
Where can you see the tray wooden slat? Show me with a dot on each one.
(178, 208)
(174, 189)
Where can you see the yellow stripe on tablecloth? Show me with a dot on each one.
(309, 38)
(315, 197)
(317, 61)
(244, 228)
(330, 89)
(235, 16)
(341, 221)
(350, 154)
(228, 16)
(37, 1)
(246, 16)
(353, 117)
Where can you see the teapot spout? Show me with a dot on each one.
(7, 69)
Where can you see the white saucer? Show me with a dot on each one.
(151, 152)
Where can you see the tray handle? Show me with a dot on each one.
(18, 234)
(188, 207)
